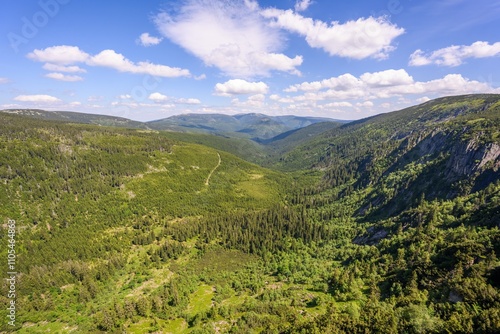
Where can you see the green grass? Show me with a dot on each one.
(200, 300)
(48, 327)
(177, 326)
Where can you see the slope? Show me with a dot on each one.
(439, 149)
(77, 117)
(86, 199)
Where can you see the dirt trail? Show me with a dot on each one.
(213, 170)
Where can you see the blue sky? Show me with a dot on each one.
(148, 60)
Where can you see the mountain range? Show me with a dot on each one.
(253, 126)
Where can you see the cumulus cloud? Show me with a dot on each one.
(253, 101)
(229, 35)
(343, 82)
(363, 38)
(188, 101)
(455, 55)
(366, 104)
(37, 98)
(239, 86)
(61, 55)
(302, 5)
(147, 40)
(342, 104)
(161, 98)
(63, 68)
(63, 77)
(112, 59)
(423, 99)
(158, 97)
(387, 78)
(370, 93)
(59, 58)
(384, 84)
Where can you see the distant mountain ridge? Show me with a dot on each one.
(77, 117)
(253, 126)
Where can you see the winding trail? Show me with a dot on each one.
(213, 170)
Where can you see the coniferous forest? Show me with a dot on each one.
(389, 224)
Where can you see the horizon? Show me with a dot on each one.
(249, 113)
(149, 61)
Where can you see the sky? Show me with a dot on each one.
(147, 60)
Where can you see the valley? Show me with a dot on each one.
(388, 224)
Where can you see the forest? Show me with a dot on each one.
(389, 224)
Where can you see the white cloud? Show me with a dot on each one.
(338, 104)
(254, 101)
(200, 77)
(366, 104)
(229, 35)
(63, 68)
(161, 98)
(239, 86)
(423, 99)
(257, 97)
(3, 80)
(63, 77)
(302, 5)
(62, 55)
(188, 101)
(37, 98)
(112, 59)
(383, 85)
(95, 98)
(158, 97)
(455, 55)
(418, 58)
(147, 40)
(387, 78)
(125, 96)
(251, 4)
(363, 38)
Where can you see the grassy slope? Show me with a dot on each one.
(68, 185)
(76, 117)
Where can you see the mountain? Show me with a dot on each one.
(253, 126)
(388, 224)
(439, 149)
(77, 117)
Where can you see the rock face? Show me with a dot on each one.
(444, 166)
(465, 157)
(372, 236)
(469, 157)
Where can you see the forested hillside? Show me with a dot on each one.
(384, 225)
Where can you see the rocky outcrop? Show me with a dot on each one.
(467, 158)
(372, 236)
(451, 166)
